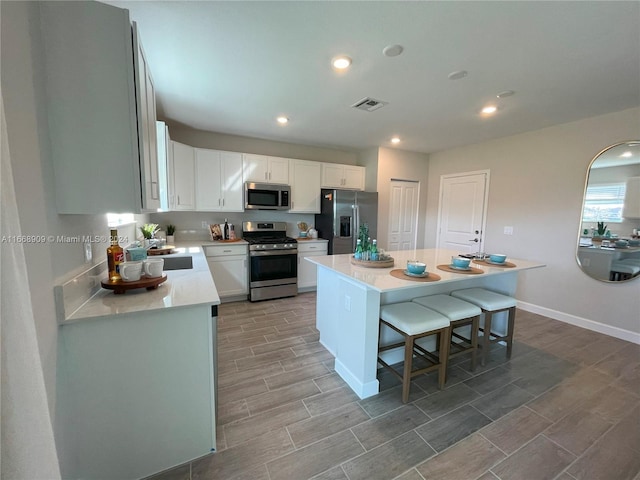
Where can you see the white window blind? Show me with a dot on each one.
(604, 202)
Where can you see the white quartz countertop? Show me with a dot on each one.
(183, 288)
(381, 280)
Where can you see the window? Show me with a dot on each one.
(603, 203)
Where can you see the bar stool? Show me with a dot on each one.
(413, 321)
(623, 270)
(460, 314)
(491, 303)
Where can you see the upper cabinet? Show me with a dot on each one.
(335, 175)
(305, 186)
(182, 175)
(165, 164)
(265, 169)
(218, 177)
(100, 108)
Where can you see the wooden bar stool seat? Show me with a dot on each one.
(460, 314)
(413, 321)
(491, 303)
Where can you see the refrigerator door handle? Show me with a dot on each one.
(355, 227)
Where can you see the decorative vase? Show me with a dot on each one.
(170, 240)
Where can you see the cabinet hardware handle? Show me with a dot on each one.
(227, 251)
(178, 199)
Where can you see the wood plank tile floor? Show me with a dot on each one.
(566, 406)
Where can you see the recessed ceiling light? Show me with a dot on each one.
(395, 140)
(341, 62)
(282, 120)
(505, 94)
(392, 50)
(458, 75)
(489, 110)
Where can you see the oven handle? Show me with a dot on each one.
(265, 253)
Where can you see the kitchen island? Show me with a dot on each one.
(136, 373)
(349, 299)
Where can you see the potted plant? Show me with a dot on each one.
(148, 232)
(602, 229)
(171, 230)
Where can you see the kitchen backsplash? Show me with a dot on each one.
(189, 224)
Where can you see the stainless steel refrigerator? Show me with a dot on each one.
(342, 213)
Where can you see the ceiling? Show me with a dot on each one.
(234, 66)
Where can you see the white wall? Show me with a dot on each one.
(537, 183)
(235, 143)
(400, 165)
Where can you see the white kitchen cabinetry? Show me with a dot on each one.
(101, 110)
(165, 163)
(229, 269)
(136, 392)
(305, 186)
(265, 169)
(335, 175)
(182, 177)
(307, 270)
(219, 185)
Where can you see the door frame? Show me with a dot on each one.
(485, 206)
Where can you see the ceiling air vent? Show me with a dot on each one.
(369, 104)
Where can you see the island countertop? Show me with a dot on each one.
(380, 279)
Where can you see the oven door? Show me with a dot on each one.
(275, 267)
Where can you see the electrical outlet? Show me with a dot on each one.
(347, 303)
(508, 230)
(586, 262)
(205, 224)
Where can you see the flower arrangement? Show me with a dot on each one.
(303, 227)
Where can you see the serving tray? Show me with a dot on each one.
(150, 283)
(166, 250)
(372, 264)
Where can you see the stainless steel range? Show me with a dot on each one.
(273, 260)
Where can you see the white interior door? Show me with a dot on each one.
(403, 215)
(462, 212)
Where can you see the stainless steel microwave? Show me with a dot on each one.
(265, 196)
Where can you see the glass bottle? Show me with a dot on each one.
(225, 231)
(374, 251)
(115, 256)
(358, 254)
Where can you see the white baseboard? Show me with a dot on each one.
(582, 322)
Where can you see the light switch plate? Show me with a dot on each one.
(508, 230)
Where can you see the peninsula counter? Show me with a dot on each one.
(349, 299)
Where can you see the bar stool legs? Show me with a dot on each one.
(413, 322)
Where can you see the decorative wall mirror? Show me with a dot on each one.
(609, 239)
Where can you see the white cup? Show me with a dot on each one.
(130, 271)
(153, 267)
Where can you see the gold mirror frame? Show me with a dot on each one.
(603, 256)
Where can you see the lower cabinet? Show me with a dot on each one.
(135, 393)
(307, 270)
(229, 268)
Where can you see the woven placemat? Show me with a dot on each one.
(489, 264)
(471, 271)
(399, 273)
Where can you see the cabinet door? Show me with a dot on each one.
(94, 136)
(353, 177)
(279, 170)
(307, 270)
(256, 168)
(232, 184)
(183, 176)
(230, 275)
(305, 186)
(164, 164)
(208, 186)
(148, 144)
(332, 174)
